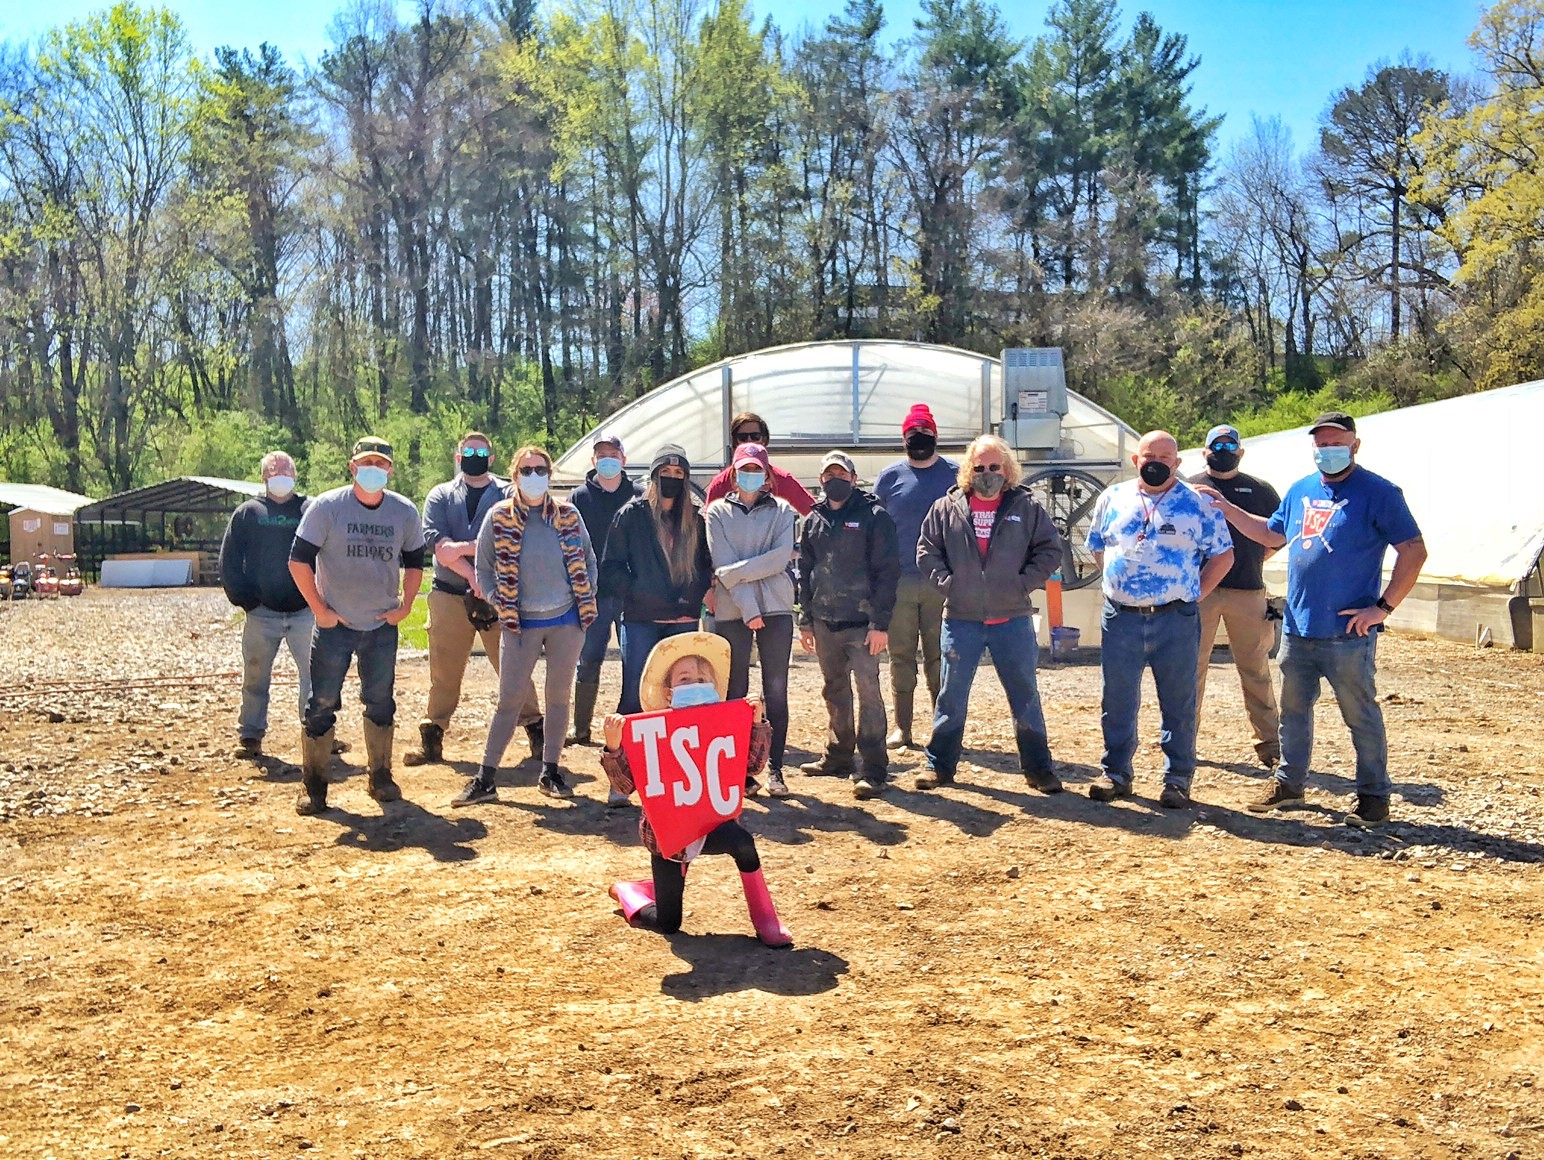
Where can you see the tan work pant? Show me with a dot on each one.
(1250, 636)
(450, 644)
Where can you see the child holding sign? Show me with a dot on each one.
(693, 763)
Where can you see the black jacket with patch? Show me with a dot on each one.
(849, 564)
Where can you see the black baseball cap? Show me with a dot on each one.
(1336, 419)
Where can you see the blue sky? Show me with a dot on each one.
(1262, 57)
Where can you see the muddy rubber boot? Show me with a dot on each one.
(316, 756)
(900, 737)
(431, 746)
(585, 694)
(378, 761)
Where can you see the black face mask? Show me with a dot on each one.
(1156, 474)
(1222, 460)
(474, 465)
(837, 490)
(670, 487)
(920, 445)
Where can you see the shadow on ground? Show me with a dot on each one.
(722, 964)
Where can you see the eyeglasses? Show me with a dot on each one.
(750, 437)
(480, 452)
(535, 471)
(1223, 445)
(994, 468)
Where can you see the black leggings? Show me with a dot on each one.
(670, 877)
(774, 648)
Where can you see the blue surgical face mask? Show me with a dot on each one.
(690, 696)
(1332, 460)
(372, 479)
(608, 467)
(750, 480)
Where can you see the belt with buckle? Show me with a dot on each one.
(1149, 609)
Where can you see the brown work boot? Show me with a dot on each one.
(1276, 797)
(431, 746)
(830, 764)
(316, 757)
(1174, 798)
(1103, 789)
(1269, 754)
(378, 740)
(931, 778)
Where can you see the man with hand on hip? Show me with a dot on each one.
(1337, 525)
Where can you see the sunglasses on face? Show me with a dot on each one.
(1224, 445)
(750, 437)
(480, 452)
(994, 468)
(538, 470)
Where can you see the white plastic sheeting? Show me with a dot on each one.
(1471, 470)
(852, 395)
(146, 574)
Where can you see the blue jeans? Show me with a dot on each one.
(331, 651)
(638, 639)
(1168, 642)
(1015, 653)
(263, 633)
(1349, 664)
(596, 638)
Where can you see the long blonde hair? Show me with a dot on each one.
(679, 529)
(1011, 472)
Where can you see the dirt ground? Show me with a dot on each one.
(187, 968)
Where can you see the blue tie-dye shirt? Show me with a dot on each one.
(1154, 546)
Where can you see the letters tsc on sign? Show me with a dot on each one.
(689, 767)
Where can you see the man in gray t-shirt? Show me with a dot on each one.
(354, 547)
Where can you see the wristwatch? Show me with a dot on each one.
(1385, 605)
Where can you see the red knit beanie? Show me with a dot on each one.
(920, 415)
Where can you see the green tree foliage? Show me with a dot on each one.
(517, 217)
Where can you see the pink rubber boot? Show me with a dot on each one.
(633, 896)
(769, 928)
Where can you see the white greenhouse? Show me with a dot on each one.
(853, 395)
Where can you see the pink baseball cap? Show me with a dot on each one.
(751, 453)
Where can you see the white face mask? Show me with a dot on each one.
(533, 486)
(281, 486)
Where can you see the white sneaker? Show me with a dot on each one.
(776, 786)
(616, 801)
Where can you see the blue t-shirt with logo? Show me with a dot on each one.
(1155, 545)
(1337, 535)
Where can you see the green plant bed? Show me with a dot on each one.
(414, 631)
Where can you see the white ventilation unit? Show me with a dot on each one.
(1034, 397)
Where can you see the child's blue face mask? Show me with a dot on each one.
(690, 696)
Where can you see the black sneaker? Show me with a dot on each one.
(475, 792)
(552, 782)
(1046, 782)
(1370, 812)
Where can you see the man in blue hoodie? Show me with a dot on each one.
(254, 571)
(602, 494)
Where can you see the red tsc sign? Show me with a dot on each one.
(689, 767)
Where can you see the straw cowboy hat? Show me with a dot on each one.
(653, 695)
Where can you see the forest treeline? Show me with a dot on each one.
(518, 216)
